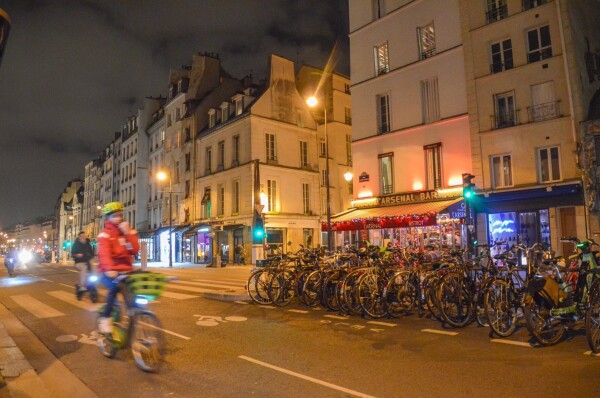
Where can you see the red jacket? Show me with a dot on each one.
(116, 250)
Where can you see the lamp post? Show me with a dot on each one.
(312, 102)
(162, 176)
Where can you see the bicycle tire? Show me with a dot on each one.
(348, 294)
(281, 288)
(258, 286)
(455, 300)
(401, 294)
(501, 314)
(329, 295)
(537, 316)
(592, 318)
(311, 290)
(370, 295)
(147, 343)
(430, 287)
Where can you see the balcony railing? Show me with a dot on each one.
(539, 55)
(529, 4)
(505, 120)
(387, 189)
(382, 69)
(496, 14)
(427, 54)
(545, 111)
(501, 66)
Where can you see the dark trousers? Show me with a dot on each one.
(113, 288)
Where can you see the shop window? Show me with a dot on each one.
(386, 173)
(433, 165)
(502, 171)
(502, 227)
(549, 164)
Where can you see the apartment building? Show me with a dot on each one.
(410, 127)
(525, 66)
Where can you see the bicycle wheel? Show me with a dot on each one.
(258, 286)
(347, 291)
(147, 341)
(370, 295)
(311, 290)
(544, 327)
(281, 289)
(592, 318)
(499, 308)
(401, 294)
(455, 300)
(329, 297)
(431, 287)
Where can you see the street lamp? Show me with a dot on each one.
(162, 176)
(313, 102)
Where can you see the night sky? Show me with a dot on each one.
(73, 71)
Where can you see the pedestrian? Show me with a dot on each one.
(82, 253)
(117, 244)
(242, 259)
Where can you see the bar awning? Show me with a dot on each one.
(401, 216)
(180, 228)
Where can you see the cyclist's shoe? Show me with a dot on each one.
(105, 325)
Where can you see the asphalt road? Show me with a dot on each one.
(232, 349)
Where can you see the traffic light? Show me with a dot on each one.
(468, 186)
(258, 230)
(66, 245)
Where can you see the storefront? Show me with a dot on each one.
(414, 219)
(148, 237)
(540, 215)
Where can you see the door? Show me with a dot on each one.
(568, 228)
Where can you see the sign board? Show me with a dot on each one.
(409, 197)
(364, 177)
(458, 210)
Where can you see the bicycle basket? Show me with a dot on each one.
(146, 284)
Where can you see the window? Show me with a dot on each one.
(306, 198)
(539, 45)
(188, 134)
(323, 178)
(236, 150)
(502, 171)
(178, 139)
(303, 154)
(235, 198)
(349, 149)
(543, 105)
(221, 200)
(212, 118)
(382, 64)
(549, 164)
(187, 188)
(383, 113)
(322, 148)
(426, 37)
(347, 116)
(176, 173)
(208, 160)
(239, 106)
(206, 203)
(168, 120)
(496, 10)
(177, 114)
(433, 165)
(187, 161)
(299, 119)
(162, 137)
(502, 58)
(529, 4)
(168, 146)
(272, 195)
(221, 154)
(224, 113)
(386, 173)
(378, 8)
(346, 88)
(271, 150)
(430, 102)
(505, 110)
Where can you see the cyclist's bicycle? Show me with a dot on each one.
(134, 325)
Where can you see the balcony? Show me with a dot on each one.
(427, 54)
(501, 66)
(546, 111)
(496, 14)
(539, 55)
(387, 189)
(505, 120)
(529, 4)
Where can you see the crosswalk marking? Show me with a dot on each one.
(439, 332)
(299, 311)
(71, 299)
(336, 317)
(178, 296)
(382, 323)
(511, 342)
(195, 289)
(224, 283)
(35, 307)
(217, 286)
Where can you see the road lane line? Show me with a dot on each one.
(299, 311)
(178, 296)
(242, 302)
(439, 332)
(35, 307)
(206, 284)
(71, 270)
(166, 331)
(591, 354)
(336, 317)
(271, 307)
(71, 299)
(72, 287)
(195, 289)
(382, 323)
(212, 282)
(512, 342)
(304, 377)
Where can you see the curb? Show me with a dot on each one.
(226, 297)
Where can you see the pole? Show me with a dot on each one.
(170, 222)
(327, 176)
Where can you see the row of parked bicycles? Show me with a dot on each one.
(523, 284)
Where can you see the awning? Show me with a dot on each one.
(194, 229)
(146, 234)
(161, 230)
(401, 216)
(181, 228)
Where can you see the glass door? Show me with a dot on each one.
(528, 228)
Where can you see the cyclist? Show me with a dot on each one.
(82, 253)
(117, 244)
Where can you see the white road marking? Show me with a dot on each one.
(167, 331)
(271, 307)
(376, 330)
(194, 289)
(439, 332)
(35, 307)
(298, 311)
(512, 342)
(72, 287)
(304, 377)
(178, 296)
(215, 282)
(71, 299)
(216, 285)
(591, 354)
(242, 302)
(71, 270)
(44, 279)
(382, 323)
(336, 317)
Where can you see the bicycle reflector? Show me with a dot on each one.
(141, 300)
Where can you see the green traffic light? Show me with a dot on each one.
(468, 194)
(259, 233)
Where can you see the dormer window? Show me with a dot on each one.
(224, 112)
(212, 118)
(239, 106)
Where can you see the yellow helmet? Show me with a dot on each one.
(112, 207)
